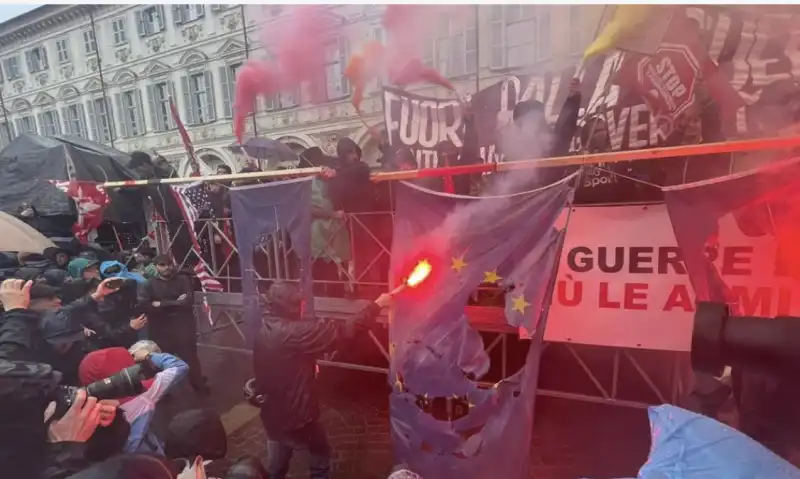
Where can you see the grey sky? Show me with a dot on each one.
(11, 10)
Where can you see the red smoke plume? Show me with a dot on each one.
(299, 47)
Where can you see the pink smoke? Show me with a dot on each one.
(299, 46)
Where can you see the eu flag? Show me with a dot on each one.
(260, 212)
(510, 241)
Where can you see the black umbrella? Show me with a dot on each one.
(266, 149)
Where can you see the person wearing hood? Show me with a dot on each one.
(330, 238)
(36, 267)
(84, 278)
(168, 300)
(530, 137)
(285, 357)
(138, 410)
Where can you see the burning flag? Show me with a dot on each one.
(437, 353)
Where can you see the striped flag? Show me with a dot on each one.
(198, 168)
(192, 200)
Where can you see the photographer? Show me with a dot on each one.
(284, 360)
(36, 328)
(53, 448)
(138, 410)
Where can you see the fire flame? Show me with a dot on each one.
(420, 273)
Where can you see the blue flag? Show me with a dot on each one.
(716, 224)
(259, 212)
(438, 358)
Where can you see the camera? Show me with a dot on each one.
(125, 383)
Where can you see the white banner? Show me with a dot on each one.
(621, 281)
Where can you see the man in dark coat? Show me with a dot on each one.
(168, 299)
(284, 361)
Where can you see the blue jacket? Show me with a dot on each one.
(123, 272)
(139, 410)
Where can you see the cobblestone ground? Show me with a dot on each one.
(571, 439)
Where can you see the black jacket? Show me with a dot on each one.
(284, 361)
(173, 318)
(25, 388)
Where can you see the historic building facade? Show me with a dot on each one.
(107, 72)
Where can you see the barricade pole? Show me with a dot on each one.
(740, 146)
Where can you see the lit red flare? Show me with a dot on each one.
(419, 274)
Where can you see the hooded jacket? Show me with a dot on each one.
(122, 273)
(35, 266)
(285, 357)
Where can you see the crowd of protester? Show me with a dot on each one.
(75, 316)
(89, 348)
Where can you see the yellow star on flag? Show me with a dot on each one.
(491, 277)
(519, 304)
(459, 263)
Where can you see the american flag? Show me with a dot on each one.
(193, 199)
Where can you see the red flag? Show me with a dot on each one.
(90, 200)
(187, 142)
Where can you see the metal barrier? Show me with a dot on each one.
(351, 268)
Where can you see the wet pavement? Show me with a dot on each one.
(571, 439)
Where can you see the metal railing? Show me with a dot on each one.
(351, 267)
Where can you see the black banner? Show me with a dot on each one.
(421, 123)
(743, 70)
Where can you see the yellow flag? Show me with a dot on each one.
(626, 21)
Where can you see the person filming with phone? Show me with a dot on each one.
(168, 299)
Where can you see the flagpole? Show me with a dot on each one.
(247, 56)
(477, 48)
(109, 117)
(740, 146)
(5, 116)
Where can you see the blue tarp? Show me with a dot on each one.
(510, 241)
(260, 211)
(686, 445)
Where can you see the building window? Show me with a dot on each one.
(89, 45)
(49, 123)
(74, 120)
(62, 49)
(187, 13)
(26, 124)
(227, 78)
(158, 97)
(6, 133)
(336, 85)
(118, 27)
(150, 20)
(198, 98)
(575, 31)
(36, 58)
(11, 66)
(100, 121)
(519, 35)
(454, 52)
(129, 113)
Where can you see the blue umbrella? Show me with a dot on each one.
(273, 151)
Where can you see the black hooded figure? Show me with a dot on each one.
(285, 356)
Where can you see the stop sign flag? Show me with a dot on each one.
(667, 79)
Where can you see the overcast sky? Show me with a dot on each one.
(11, 10)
